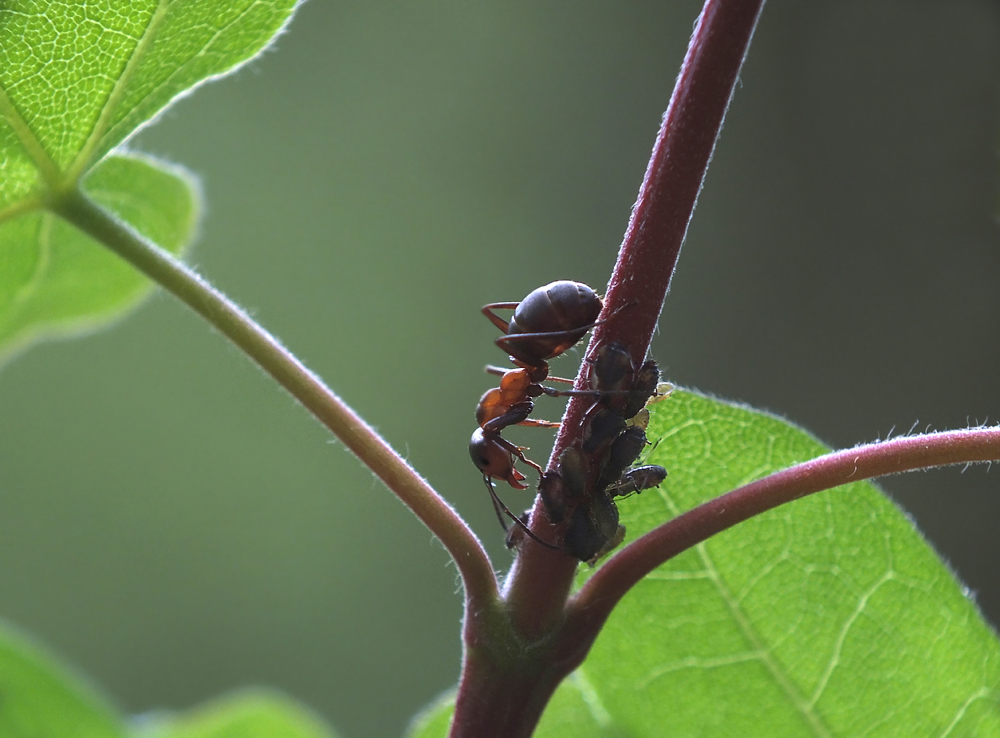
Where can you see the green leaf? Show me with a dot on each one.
(55, 281)
(434, 719)
(249, 714)
(76, 80)
(830, 616)
(40, 698)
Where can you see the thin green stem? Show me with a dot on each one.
(264, 349)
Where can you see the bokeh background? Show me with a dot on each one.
(176, 527)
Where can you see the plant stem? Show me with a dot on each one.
(593, 603)
(264, 349)
(526, 689)
(539, 581)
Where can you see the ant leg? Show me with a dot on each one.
(518, 451)
(560, 379)
(517, 413)
(515, 416)
(568, 337)
(498, 506)
(571, 335)
(581, 393)
(538, 423)
(499, 371)
(496, 319)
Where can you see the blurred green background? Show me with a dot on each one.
(176, 526)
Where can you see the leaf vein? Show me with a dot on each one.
(590, 698)
(32, 146)
(756, 642)
(119, 89)
(887, 576)
(978, 695)
(166, 83)
(699, 662)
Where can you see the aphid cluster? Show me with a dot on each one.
(546, 323)
(614, 437)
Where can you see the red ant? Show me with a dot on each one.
(546, 323)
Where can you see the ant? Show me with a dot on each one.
(545, 324)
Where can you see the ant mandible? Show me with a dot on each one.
(546, 323)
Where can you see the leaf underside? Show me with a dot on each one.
(76, 81)
(56, 281)
(830, 616)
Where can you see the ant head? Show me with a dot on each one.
(493, 460)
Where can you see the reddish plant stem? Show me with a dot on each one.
(539, 582)
(502, 700)
(593, 603)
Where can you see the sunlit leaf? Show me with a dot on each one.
(55, 281)
(830, 616)
(76, 80)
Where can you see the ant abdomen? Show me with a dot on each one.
(548, 321)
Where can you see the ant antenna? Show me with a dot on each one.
(501, 508)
